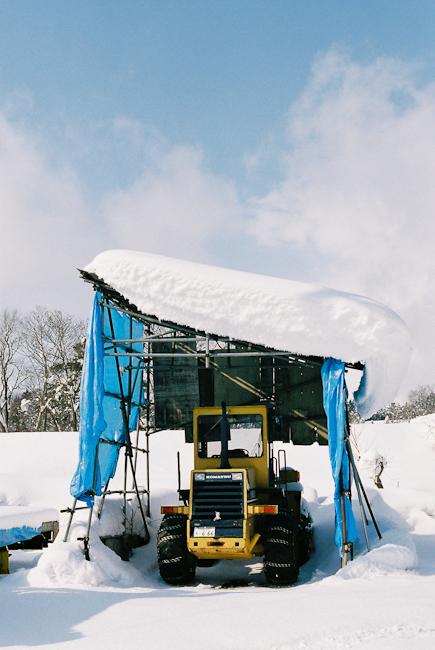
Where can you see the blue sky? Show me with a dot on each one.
(285, 137)
(218, 75)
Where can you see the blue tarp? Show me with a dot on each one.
(334, 395)
(100, 403)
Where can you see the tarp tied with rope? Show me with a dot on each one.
(334, 397)
(110, 397)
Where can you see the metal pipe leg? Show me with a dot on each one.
(65, 539)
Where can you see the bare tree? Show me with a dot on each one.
(67, 335)
(53, 344)
(11, 370)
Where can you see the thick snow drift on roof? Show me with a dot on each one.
(290, 316)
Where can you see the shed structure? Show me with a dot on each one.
(168, 335)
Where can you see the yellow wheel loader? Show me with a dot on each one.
(242, 501)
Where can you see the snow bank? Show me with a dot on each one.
(282, 314)
(394, 553)
(63, 563)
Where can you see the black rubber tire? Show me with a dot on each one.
(306, 538)
(176, 565)
(281, 549)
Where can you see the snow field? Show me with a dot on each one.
(382, 600)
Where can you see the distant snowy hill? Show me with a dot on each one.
(381, 601)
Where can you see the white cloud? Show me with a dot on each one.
(359, 190)
(43, 223)
(360, 183)
(174, 208)
(49, 230)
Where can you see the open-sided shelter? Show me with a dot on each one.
(167, 335)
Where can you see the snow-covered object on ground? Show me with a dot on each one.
(291, 316)
(18, 523)
(64, 563)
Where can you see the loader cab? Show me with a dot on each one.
(246, 440)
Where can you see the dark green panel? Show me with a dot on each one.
(237, 381)
(299, 396)
(176, 390)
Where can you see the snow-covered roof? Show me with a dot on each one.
(282, 314)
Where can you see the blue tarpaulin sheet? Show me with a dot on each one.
(100, 397)
(334, 395)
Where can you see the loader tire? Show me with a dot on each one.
(281, 549)
(176, 564)
(306, 541)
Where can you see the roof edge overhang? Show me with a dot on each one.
(124, 305)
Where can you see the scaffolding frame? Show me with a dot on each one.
(208, 350)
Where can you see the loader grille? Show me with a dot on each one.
(222, 495)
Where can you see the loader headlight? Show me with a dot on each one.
(237, 476)
(199, 477)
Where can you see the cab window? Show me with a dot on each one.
(246, 435)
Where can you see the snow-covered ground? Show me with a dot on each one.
(381, 601)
